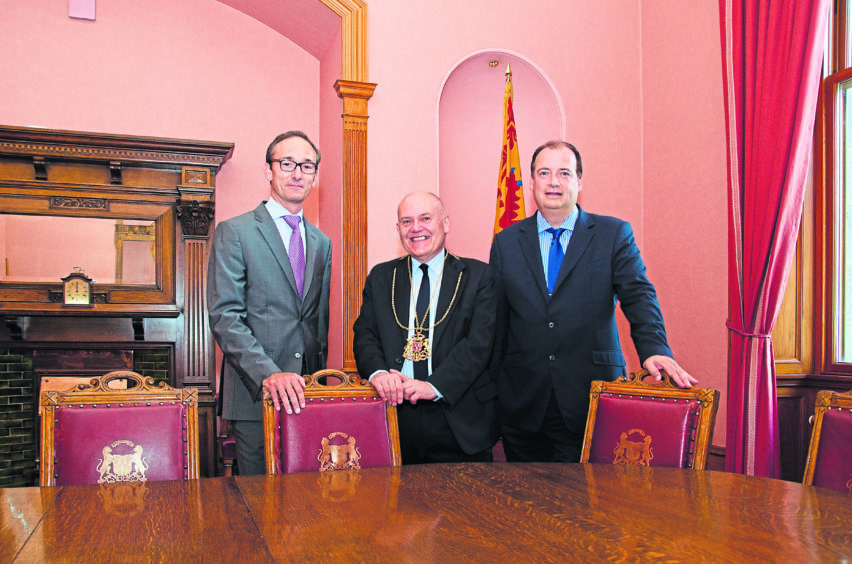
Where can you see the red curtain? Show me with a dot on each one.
(771, 57)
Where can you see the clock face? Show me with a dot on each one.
(76, 292)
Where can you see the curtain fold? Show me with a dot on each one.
(771, 62)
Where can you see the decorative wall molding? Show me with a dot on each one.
(110, 147)
(353, 28)
(83, 203)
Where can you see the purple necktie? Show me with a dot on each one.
(296, 251)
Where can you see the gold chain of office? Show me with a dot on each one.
(417, 345)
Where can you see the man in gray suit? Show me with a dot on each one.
(268, 284)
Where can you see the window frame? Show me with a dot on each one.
(837, 69)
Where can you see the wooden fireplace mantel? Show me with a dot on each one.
(167, 185)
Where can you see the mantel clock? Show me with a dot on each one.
(77, 289)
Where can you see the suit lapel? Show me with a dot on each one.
(580, 239)
(270, 233)
(311, 248)
(531, 251)
(453, 268)
(402, 295)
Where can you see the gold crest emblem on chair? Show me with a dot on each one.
(634, 447)
(338, 456)
(129, 467)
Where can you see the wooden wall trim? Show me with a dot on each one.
(84, 145)
(354, 199)
(197, 362)
(353, 27)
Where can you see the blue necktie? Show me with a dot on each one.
(554, 258)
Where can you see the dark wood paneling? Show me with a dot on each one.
(792, 418)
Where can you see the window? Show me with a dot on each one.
(842, 205)
(835, 214)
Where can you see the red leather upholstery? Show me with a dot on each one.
(644, 431)
(120, 427)
(833, 468)
(334, 434)
(99, 444)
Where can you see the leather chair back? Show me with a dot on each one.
(342, 427)
(648, 423)
(96, 434)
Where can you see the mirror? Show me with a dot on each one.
(43, 248)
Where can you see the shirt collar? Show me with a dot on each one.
(276, 210)
(568, 224)
(434, 263)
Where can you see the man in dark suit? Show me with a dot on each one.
(558, 275)
(424, 337)
(268, 285)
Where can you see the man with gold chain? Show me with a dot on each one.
(424, 337)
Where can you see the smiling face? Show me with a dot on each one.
(290, 189)
(556, 184)
(422, 224)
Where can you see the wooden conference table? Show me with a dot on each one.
(433, 513)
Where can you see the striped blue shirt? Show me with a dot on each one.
(544, 238)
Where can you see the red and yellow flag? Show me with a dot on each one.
(510, 187)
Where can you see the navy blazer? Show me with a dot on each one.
(461, 344)
(562, 343)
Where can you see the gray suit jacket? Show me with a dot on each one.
(255, 313)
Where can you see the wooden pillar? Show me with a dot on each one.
(195, 211)
(355, 96)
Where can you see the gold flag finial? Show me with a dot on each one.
(508, 70)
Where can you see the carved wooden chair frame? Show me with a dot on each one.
(826, 401)
(349, 386)
(643, 385)
(98, 392)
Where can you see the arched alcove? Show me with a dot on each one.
(470, 126)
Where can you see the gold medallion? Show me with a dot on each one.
(416, 348)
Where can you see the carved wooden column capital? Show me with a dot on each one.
(355, 96)
(195, 217)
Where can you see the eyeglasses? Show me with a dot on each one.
(288, 165)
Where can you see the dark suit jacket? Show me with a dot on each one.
(565, 342)
(256, 315)
(461, 344)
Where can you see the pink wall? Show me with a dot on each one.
(589, 49)
(192, 69)
(638, 81)
(685, 206)
(641, 90)
(329, 196)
